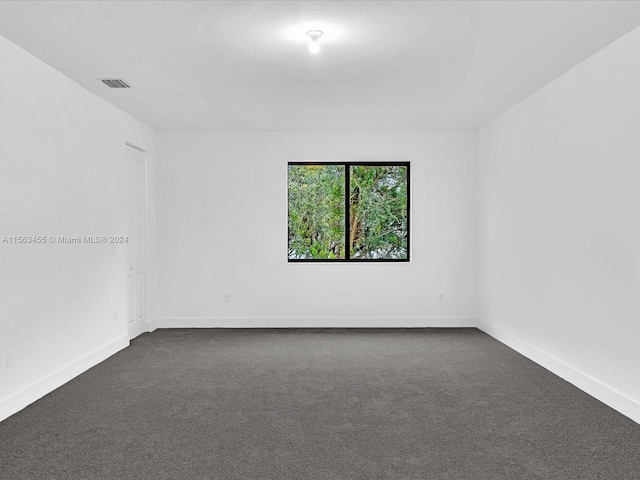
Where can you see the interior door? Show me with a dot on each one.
(137, 245)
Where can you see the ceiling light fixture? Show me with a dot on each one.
(314, 46)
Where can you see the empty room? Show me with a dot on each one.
(320, 240)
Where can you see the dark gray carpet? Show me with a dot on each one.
(318, 404)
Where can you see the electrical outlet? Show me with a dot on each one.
(9, 357)
(440, 297)
(115, 315)
(227, 297)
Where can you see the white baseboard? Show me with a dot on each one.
(19, 400)
(153, 325)
(313, 322)
(607, 395)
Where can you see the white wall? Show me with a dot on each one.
(63, 172)
(222, 228)
(559, 225)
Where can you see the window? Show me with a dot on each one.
(348, 211)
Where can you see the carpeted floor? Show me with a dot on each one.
(318, 404)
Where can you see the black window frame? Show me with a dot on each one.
(347, 211)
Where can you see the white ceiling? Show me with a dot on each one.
(244, 65)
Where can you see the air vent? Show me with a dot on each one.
(115, 82)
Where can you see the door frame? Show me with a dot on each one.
(145, 240)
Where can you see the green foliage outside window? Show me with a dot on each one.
(375, 219)
(316, 211)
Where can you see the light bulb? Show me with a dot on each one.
(314, 46)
